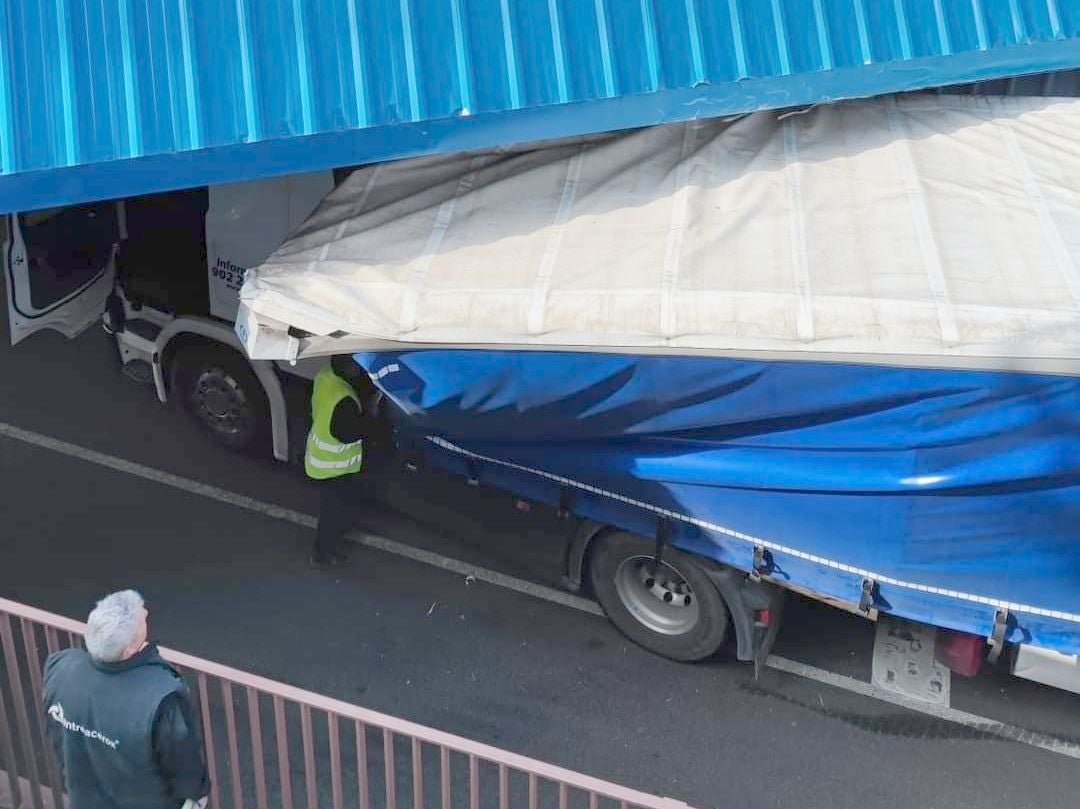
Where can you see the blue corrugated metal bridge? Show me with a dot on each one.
(109, 98)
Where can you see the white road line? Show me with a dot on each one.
(156, 475)
(973, 721)
(479, 573)
(299, 518)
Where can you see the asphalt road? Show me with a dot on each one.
(475, 659)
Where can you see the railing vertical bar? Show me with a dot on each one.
(594, 801)
(208, 739)
(504, 796)
(335, 760)
(362, 787)
(534, 792)
(388, 768)
(417, 774)
(7, 749)
(444, 775)
(52, 640)
(474, 782)
(309, 757)
(562, 796)
(7, 643)
(234, 748)
(34, 664)
(281, 733)
(257, 757)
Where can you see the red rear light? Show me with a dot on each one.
(763, 617)
(960, 652)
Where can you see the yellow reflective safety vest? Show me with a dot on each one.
(326, 457)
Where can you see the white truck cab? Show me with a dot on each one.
(163, 274)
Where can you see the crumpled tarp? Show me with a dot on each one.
(932, 226)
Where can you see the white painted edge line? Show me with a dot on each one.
(479, 573)
(803, 670)
(421, 555)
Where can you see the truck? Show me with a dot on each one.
(498, 298)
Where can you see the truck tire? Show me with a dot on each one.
(219, 392)
(674, 611)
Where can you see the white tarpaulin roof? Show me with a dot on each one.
(928, 226)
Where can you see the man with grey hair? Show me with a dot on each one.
(120, 718)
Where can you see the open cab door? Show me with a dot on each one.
(59, 267)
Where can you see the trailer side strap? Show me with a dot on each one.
(663, 534)
(566, 503)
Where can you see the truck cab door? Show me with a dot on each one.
(59, 267)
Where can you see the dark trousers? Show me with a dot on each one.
(340, 500)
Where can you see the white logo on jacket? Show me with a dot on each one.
(56, 713)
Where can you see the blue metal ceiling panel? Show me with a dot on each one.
(103, 98)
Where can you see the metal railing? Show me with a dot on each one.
(271, 744)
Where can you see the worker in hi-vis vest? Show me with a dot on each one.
(347, 452)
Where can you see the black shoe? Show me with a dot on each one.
(326, 560)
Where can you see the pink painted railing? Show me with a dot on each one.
(267, 741)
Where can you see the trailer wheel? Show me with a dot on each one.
(672, 610)
(222, 396)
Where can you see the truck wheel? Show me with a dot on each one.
(221, 394)
(673, 610)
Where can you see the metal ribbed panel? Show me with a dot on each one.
(186, 92)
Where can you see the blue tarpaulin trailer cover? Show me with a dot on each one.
(111, 98)
(850, 337)
(956, 492)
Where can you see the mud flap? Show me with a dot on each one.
(756, 608)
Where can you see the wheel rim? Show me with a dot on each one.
(220, 403)
(661, 600)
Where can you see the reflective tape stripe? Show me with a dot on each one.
(326, 446)
(318, 463)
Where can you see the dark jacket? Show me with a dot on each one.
(124, 733)
(370, 424)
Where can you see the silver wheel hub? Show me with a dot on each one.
(221, 402)
(658, 596)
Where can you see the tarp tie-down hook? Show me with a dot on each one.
(868, 597)
(997, 635)
(762, 564)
